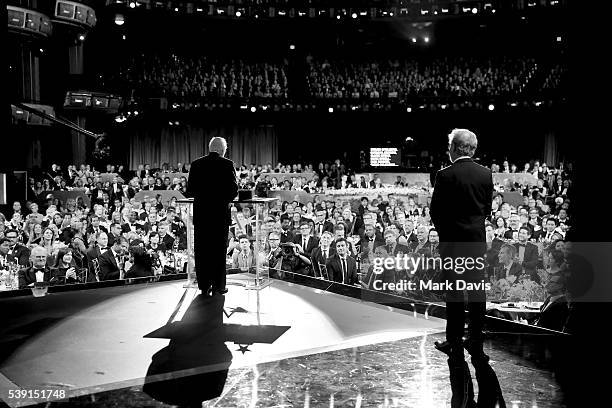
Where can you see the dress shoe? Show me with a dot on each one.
(443, 346)
(475, 350)
(221, 291)
(207, 293)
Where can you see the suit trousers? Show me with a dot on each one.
(457, 301)
(210, 247)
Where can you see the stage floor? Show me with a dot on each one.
(286, 345)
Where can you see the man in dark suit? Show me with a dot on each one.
(391, 246)
(460, 203)
(164, 237)
(342, 267)
(305, 239)
(93, 254)
(322, 225)
(320, 255)
(555, 310)
(371, 240)
(527, 253)
(111, 261)
(38, 272)
(286, 234)
(507, 263)
(212, 183)
(19, 252)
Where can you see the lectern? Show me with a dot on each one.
(261, 277)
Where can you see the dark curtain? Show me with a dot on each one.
(551, 154)
(246, 144)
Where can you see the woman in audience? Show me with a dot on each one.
(500, 227)
(64, 270)
(35, 236)
(50, 243)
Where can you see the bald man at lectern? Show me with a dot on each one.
(212, 184)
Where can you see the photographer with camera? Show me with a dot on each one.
(290, 260)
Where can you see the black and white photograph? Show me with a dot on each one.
(302, 203)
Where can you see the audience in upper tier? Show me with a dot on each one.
(194, 78)
(179, 76)
(439, 77)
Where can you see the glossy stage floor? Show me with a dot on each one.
(284, 346)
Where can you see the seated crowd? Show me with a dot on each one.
(199, 77)
(108, 234)
(438, 77)
(190, 78)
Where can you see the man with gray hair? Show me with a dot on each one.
(212, 184)
(460, 203)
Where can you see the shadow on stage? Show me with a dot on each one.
(193, 368)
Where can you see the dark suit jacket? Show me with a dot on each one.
(28, 276)
(554, 315)
(363, 244)
(516, 270)
(530, 258)
(316, 258)
(460, 203)
(334, 268)
(313, 242)
(412, 238)
(398, 248)
(327, 226)
(21, 253)
(288, 237)
(109, 269)
(212, 183)
(168, 242)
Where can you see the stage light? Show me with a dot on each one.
(559, 39)
(253, 109)
(354, 15)
(493, 11)
(243, 107)
(514, 104)
(292, 47)
(132, 4)
(119, 19)
(135, 113)
(409, 139)
(538, 103)
(391, 14)
(443, 106)
(265, 107)
(238, 13)
(491, 107)
(176, 123)
(81, 37)
(199, 10)
(123, 37)
(409, 110)
(338, 17)
(444, 10)
(474, 10)
(256, 15)
(176, 9)
(41, 50)
(436, 12)
(330, 110)
(170, 123)
(413, 39)
(426, 39)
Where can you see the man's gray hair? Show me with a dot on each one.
(465, 142)
(218, 145)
